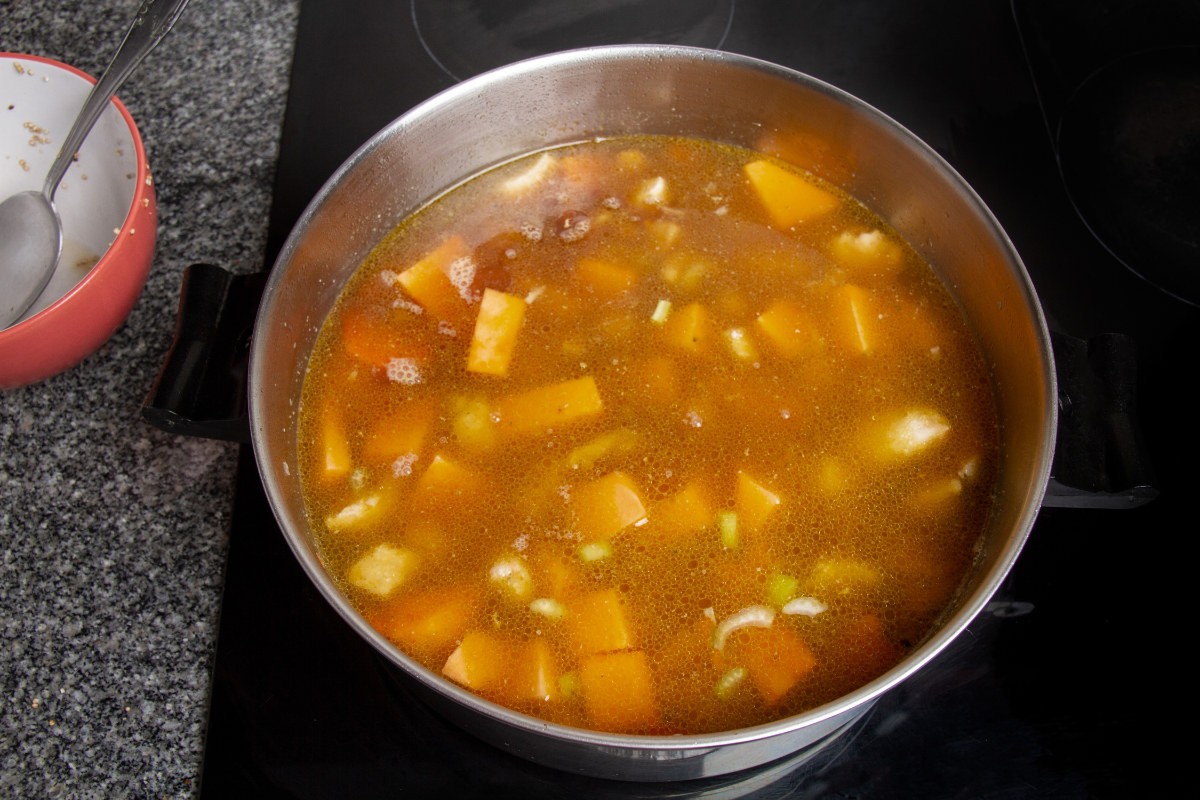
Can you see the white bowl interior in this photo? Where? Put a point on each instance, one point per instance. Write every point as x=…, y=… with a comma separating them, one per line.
x=38, y=104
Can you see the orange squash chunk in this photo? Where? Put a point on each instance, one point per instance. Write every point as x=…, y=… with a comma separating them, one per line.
x=606, y=506
x=790, y=328
x=619, y=691
x=336, y=448
x=480, y=661
x=777, y=660
x=787, y=196
x=689, y=328
x=599, y=623
x=399, y=433
x=429, y=622
x=687, y=511
x=496, y=328
x=604, y=278
x=429, y=282
x=535, y=674
x=853, y=324
x=547, y=407
x=445, y=481
x=754, y=502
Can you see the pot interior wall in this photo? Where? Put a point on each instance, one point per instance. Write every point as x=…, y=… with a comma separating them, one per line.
x=610, y=91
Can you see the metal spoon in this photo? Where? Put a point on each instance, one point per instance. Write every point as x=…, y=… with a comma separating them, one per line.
x=30, y=228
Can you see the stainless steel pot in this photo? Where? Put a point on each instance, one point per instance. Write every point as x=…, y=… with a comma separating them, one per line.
x=596, y=92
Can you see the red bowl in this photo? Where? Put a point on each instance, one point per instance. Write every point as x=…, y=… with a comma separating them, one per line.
x=107, y=204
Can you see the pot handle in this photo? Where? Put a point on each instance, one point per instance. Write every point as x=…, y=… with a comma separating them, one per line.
x=1100, y=458
x=201, y=388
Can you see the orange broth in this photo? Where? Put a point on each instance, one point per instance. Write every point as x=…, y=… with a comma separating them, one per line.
x=648, y=435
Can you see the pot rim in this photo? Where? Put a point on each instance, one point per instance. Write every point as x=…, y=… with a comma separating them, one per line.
x=945, y=632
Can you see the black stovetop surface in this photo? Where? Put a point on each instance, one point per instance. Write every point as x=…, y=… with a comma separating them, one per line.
x=1060, y=689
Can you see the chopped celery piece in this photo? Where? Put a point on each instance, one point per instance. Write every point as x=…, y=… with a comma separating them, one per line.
x=727, y=525
x=548, y=607
x=594, y=551
x=661, y=311
x=781, y=588
x=730, y=681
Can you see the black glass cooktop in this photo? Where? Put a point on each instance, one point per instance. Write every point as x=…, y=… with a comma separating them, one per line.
x=1060, y=689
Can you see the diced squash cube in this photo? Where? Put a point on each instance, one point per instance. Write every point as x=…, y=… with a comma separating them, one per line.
x=445, y=482
x=472, y=423
x=689, y=328
x=336, y=463
x=868, y=252
x=840, y=576
x=606, y=506
x=480, y=661
x=429, y=282
x=741, y=345
x=556, y=575
x=687, y=511
x=599, y=624
x=603, y=277
x=398, y=433
x=372, y=337
x=429, y=622
x=854, y=327
x=547, y=407
x=355, y=514
x=788, y=197
x=619, y=691
x=383, y=569
x=536, y=674
x=496, y=329
x=777, y=660
x=687, y=270
x=611, y=443
x=754, y=502
x=790, y=328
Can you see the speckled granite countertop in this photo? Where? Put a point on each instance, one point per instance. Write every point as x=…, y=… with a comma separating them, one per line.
x=113, y=534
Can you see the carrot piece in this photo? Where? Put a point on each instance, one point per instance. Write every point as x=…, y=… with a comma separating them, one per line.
x=790, y=328
x=496, y=328
x=754, y=502
x=427, y=623
x=619, y=691
x=776, y=658
x=536, y=673
x=606, y=506
x=336, y=448
x=431, y=281
x=851, y=317
x=599, y=623
x=480, y=661
x=539, y=410
x=788, y=197
x=400, y=433
x=371, y=337
x=604, y=278
x=689, y=328
x=687, y=511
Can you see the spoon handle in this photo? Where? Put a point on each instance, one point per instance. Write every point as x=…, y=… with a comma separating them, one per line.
x=154, y=20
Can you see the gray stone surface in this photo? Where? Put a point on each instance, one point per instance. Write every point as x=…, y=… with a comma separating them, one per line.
x=113, y=534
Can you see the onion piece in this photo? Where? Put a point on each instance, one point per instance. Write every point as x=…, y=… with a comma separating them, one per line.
x=749, y=617
x=808, y=606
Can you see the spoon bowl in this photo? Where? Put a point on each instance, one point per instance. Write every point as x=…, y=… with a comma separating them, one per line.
x=108, y=208
x=31, y=231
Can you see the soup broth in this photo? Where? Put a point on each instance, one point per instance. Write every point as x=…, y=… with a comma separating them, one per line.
x=648, y=435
